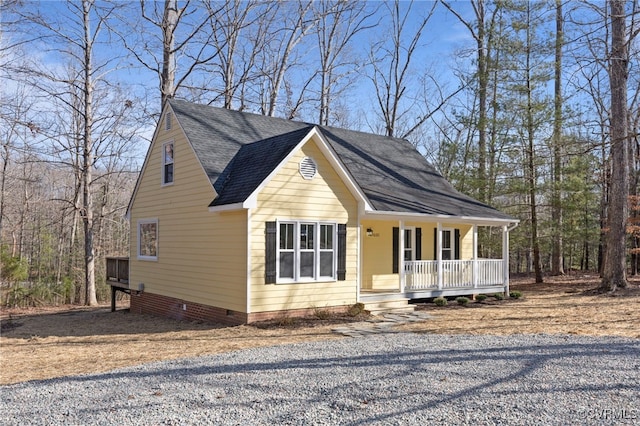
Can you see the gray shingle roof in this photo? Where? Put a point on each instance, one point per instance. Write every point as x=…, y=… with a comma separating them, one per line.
x=238, y=151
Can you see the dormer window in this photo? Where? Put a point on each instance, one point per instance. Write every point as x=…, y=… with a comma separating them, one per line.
x=167, y=163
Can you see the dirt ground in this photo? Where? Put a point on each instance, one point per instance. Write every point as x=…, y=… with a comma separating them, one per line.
x=43, y=343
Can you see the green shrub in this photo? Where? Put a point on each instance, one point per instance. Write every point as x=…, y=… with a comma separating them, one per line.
x=515, y=294
x=17, y=296
x=498, y=296
x=14, y=269
x=481, y=297
x=440, y=301
x=462, y=300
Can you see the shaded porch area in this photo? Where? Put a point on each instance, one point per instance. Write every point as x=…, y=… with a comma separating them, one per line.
x=414, y=259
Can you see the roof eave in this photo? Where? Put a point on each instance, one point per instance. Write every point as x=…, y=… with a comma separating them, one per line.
x=229, y=207
x=472, y=220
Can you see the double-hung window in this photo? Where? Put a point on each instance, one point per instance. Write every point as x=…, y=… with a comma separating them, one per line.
x=167, y=163
x=148, y=239
x=447, y=246
x=306, y=251
x=409, y=245
x=327, y=250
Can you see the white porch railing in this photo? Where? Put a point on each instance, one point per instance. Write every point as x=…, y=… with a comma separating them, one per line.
x=423, y=274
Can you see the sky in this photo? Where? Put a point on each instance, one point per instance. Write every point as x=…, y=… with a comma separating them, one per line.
x=437, y=54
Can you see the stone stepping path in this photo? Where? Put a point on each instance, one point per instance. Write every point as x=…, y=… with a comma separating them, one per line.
x=380, y=324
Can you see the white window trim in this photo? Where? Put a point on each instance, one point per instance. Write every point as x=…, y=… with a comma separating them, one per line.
x=143, y=222
x=163, y=164
x=296, y=250
x=413, y=243
x=451, y=244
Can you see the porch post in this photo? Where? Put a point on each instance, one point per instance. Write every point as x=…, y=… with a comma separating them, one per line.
x=439, y=255
x=401, y=272
x=474, y=277
x=505, y=259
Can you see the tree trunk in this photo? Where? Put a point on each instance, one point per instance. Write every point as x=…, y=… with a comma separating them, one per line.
x=483, y=83
x=531, y=166
x=557, y=267
x=3, y=180
x=614, y=274
x=169, y=23
x=87, y=200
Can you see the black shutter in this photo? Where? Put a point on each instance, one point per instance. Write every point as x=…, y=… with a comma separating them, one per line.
x=456, y=246
x=270, y=253
x=342, y=251
x=435, y=243
x=418, y=243
x=396, y=248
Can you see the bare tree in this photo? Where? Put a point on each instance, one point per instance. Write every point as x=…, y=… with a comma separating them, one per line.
x=15, y=126
x=170, y=41
x=79, y=116
x=298, y=23
x=239, y=34
x=614, y=274
x=391, y=62
x=338, y=23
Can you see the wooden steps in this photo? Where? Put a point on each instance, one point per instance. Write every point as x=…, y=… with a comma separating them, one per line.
x=380, y=304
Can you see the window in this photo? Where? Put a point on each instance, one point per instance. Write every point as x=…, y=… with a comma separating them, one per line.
x=287, y=251
x=148, y=239
x=167, y=163
x=327, y=255
x=447, y=247
x=409, y=244
x=306, y=251
x=450, y=243
x=412, y=249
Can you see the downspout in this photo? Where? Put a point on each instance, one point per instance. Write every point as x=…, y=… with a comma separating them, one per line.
x=439, y=255
x=249, y=277
x=474, y=272
x=359, y=258
x=505, y=255
x=401, y=267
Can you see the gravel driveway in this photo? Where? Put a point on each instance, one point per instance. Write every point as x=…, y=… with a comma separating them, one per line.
x=392, y=378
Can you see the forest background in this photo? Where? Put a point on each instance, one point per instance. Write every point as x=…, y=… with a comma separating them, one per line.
x=509, y=100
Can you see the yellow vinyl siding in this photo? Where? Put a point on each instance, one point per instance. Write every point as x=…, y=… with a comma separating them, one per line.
x=201, y=255
x=377, y=252
x=288, y=196
x=466, y=241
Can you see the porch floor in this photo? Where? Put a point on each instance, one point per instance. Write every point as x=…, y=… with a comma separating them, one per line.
x=373, y=295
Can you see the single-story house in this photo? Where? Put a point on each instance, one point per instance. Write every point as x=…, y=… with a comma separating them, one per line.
x=239, y=217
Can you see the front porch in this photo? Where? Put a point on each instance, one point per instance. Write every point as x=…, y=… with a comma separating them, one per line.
x=431, y=259
x=427, y=278
x=424, y=279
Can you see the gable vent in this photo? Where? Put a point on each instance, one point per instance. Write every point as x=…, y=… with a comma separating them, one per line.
x=308, y=168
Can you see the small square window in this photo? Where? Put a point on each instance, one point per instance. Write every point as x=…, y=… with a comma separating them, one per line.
x=167, y=163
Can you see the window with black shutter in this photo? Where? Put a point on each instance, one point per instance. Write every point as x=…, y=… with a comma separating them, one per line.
x=302, y=251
